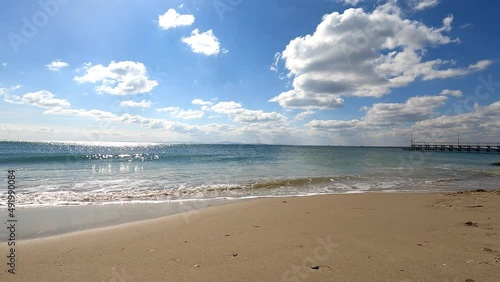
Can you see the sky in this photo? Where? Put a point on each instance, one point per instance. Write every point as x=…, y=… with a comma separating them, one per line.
x=298, y=72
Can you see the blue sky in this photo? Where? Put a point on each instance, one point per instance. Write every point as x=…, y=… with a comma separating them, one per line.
x=338, y=72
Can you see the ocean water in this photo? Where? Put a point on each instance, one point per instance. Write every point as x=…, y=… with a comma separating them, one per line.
x=79, y=173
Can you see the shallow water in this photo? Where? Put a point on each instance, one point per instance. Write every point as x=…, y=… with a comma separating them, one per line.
x=78, y=173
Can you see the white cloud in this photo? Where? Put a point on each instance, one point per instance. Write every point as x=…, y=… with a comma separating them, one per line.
x=67, y=133
x=141, y=104
x=257, y=122
x=304, y=114
x=456, y=93
x=481, y=65
x=5, y=93
x=258, y=116
x=205, y=43
x=227, y=107
x=333, y=124
x=420, y=5
x=447, y=23
x=95, y=114
x=182, y=114
x=482, y=124
x=296, y=99
x=277, y=58
x=4, y=64
x=172, y=19
x=119, y=78
x=414, y=109
x=457, y=72
x=364, y=54
x=385, y=115
x=57, y=65
x=466, y=25
x=349, y=2
x=144, y=122
x=44, y=99
x=201, y=102
x=152, y=123
x=168, y=109
x=240, y=114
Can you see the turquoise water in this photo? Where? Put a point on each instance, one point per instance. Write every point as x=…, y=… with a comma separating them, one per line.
x=57, y=173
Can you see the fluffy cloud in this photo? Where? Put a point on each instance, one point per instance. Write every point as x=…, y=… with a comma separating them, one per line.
x=57, y=65
x=457, y=72
x=44, y=99
x=364, y=54
x=118, y=78
x=481, y=65
x=304, y=114
x=227, y=107
x=205, y=43
x=456, y=93
x=333, y=124
x=482, y=124
x=141, y=104
x=205, y=105
x=386, y=115
x=415, y=109
x=253, y=116
x=182, y=114
x=201, y=102
x=172, y=19
x=297, y=99
x=240, y=114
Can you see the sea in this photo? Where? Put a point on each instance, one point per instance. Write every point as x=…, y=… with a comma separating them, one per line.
x=105, y=173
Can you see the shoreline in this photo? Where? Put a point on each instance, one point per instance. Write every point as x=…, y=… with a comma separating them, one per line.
x=50, y=221
x=343, y=237
x=45, y=222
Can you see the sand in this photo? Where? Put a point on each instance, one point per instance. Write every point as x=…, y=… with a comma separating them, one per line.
x=353, y=237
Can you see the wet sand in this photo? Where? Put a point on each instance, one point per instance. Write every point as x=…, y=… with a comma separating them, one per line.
x=353, y=237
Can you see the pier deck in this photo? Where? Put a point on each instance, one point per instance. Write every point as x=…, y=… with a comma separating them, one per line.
x=454, y=147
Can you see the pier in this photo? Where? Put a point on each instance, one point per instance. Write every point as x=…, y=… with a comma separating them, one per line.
x=454, y=147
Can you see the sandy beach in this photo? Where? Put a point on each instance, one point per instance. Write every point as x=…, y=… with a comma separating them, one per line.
x=350, y=237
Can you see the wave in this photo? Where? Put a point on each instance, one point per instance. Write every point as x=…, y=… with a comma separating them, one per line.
x=304, y=181
x=487, y=173
x=443, y=180
x=119, y=191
